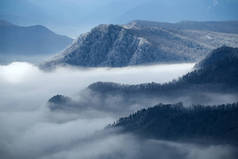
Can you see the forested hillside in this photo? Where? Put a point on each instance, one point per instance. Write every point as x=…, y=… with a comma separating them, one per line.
x=203, y=124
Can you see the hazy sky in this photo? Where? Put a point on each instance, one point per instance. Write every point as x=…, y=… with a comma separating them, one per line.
x=73, y=17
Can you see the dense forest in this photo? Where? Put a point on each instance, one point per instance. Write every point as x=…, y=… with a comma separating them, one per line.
x=198, y=123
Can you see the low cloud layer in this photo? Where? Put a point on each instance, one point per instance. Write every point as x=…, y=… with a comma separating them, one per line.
x=23, y=84
x=30, y=130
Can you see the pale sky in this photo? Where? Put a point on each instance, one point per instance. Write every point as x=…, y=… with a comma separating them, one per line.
x=72, y=17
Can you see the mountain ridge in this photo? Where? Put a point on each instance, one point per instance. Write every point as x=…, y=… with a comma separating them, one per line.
x=227, y=56
x=198, y=123
x=37, y=40
x=216, y=26
x=123, y=45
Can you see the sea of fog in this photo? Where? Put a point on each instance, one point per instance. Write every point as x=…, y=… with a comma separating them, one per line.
x=29, y=130
x=23, y=83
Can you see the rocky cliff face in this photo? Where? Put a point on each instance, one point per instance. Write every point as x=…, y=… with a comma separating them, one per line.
x=134, y=44
x=107, y=45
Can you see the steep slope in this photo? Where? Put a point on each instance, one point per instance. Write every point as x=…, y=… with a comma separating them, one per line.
x=27, y=41
x=221, y=57
x=140, y=42
x=202, y=124
x=112, y=45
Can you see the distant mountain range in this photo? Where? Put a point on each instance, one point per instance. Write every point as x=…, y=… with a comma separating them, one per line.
x=144, y=42
x=29, y=41
x=213, y=80
x=116, y=12
x=213, y=26
x=199, y=124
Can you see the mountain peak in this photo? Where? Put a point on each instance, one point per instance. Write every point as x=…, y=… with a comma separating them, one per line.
x=40, y=27
x=59, y=99
x=30, y=42
x=142, y=42
x=5, y=23
x=103, y=27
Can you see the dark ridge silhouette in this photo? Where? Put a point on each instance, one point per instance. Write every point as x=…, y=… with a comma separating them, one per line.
x=201, y=124
x=61, y=102
x=217, y=72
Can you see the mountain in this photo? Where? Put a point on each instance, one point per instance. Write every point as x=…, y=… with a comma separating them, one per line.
x=201, y=124
x=219, y=67
x=214, y=80
x=61, y=102
x=29, y=41
x=224, y=57
x=213, y=26
x=143, y=42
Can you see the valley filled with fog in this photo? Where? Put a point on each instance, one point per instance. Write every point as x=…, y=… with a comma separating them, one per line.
x=24, y=83
x=118, y=79
x=30, y=130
